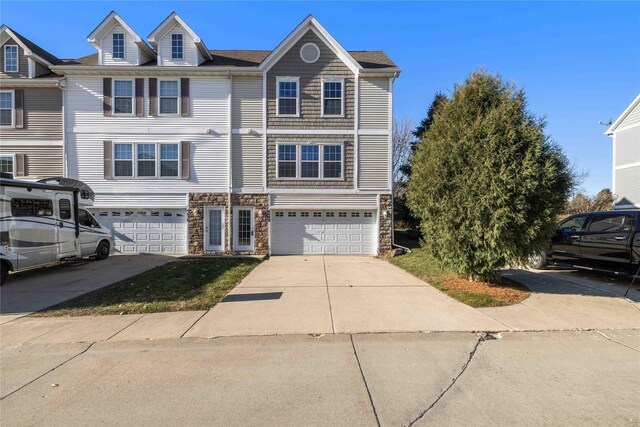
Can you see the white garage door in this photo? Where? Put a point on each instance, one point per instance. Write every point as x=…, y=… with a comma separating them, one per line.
x=153, y=231
x=323, y=232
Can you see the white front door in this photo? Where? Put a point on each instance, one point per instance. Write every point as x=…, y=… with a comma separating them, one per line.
x=243, y=229
x=214, y=229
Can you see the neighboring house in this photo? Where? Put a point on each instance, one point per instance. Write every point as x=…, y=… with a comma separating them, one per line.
x=191, y=150
x=626, y=156
x=31, y=127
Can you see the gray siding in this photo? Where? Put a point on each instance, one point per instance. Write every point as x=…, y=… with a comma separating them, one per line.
x=627, y=186
x=23, y=66
x=632, y=118
x=42, y=116
x=41, y=70
x=40, y=161
x=246, y=103
x=374, y=104
x=328, y=65
x=628, y=146
x=373, y=162
x=247, y=161
x=345, y=183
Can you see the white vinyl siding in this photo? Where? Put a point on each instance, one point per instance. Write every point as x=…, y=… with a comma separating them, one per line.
x=627, y=146
x=190, y=56
x=247, y=166
x=632, y=119
x=373, y=162
x=131, y=50
x=374, y=104
x=246, y=108
x=627, y=186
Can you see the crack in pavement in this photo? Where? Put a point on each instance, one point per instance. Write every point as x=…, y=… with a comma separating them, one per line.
x=48, y=372
x=326, y=282
x=364, y=380
x=481, y=338
x=618, y=342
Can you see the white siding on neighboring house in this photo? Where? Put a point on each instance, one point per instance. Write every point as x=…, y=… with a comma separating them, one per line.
x=246, y=110
x=632, y=119
x=627, y=187
x=373, y=162
x=247, y=168
x=374, y=104
x=131, y=50
x=190, y=55
x=627, y=146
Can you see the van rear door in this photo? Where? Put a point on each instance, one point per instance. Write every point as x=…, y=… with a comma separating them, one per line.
x=66, y=229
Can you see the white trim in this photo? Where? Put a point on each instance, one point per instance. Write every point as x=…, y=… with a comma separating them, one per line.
x=390, y=148
x=120, y=130
x=246, y=131
x=264, y=142
x=31, y=143
x=236, y=246
x=172, y=33
x=310, y=132
x=613, y=167
x=13, y=109
x=17, y=70
x=133, y=97
x=134, y=160
x=342, y=97
x=298, y=161
x=13, y=161
x=206, y=224
x=356, y=130
x=31, y=68
x=124, y=47
x=283, y=79
x=317, y=50
x=97, y=35
x=628, y=165
x=158, y=33
x=311, y=191
x=373, y=131
x=623, y=116
x=178, y=98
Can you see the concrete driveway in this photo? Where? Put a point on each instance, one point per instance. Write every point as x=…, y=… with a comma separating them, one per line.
x=34, y=290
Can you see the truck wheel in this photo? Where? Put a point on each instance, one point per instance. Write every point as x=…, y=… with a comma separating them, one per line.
x=103, y=251
x=538, y=261
x=4, y=273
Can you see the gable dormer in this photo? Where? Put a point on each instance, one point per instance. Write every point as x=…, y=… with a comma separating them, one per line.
x=118, y=44
x=176, y=44
x=21, y=58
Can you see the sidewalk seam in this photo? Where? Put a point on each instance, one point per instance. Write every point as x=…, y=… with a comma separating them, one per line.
x=617, y=342
x=139, y=318
x=364, y=380
x=194, y=323
x=326, y=282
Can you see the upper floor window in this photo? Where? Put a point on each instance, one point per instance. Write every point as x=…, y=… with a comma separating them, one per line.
x=168, y=97
x=11, y=59
x=310, y=161
x=118, y=45
x=333, y=98
x=288, y=96
x=287, y=161
x=177, y=48
x=122, y=97
x=169, y=160
x=6, y=108
x=6, y=164
x=146, y=155
x=145, y=158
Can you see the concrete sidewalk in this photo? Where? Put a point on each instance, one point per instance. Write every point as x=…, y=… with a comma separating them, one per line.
x=548, y=378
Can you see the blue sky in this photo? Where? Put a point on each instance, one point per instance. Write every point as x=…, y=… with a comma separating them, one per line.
x=578, y=61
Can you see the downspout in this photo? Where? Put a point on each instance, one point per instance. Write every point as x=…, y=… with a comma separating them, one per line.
x=393, y=221
x=230, y=156
x=62, y=85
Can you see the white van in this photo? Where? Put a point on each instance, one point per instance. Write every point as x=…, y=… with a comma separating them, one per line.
x=44, y=224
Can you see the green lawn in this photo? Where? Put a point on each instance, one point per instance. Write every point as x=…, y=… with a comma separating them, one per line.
x=476, y=294
x=194, y=284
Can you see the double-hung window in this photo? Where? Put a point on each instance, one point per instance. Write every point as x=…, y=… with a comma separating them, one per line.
x=177, y=48
x=169, y=97
x=123, y=97
x=6, y=164
x=150, y=159
x=288, y=96
x=118, y=45
x=310, y=161
x=6, y=108
x=333, y=98
x=11, y=59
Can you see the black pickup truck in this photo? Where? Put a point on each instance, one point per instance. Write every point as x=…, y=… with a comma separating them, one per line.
x=607, y=241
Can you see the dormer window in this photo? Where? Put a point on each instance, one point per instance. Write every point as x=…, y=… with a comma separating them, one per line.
x=177, y=48
x=118, y=45
x=11, y=59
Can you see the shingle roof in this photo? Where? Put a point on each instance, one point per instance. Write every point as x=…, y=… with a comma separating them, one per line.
x=36, y=49
x=368, y=59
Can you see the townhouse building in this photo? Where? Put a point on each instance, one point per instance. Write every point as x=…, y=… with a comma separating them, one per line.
x=192, y=150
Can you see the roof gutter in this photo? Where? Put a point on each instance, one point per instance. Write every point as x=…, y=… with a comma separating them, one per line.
x=142, y=70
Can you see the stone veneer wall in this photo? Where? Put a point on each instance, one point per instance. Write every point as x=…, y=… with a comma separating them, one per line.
x=260, y=203
x=386, y=204
x=195, y=218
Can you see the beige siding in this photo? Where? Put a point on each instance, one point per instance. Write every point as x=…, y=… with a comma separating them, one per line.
x=42, y=116
x=627, y=186
x=328, y=65
x=628, y=146
x=345, y=183
x=373, y=162
x=632, y=118
x=246, y=108
x=130, y=48
x=374, y=104
x=324, y=201
x=23, y=65
x=247, y=161
x=40, y=161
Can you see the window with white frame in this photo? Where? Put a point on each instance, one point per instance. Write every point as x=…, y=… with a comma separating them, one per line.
x=309, y=161
x=145, y=157
x=177, y=47
x=6, y=108
x=333, y=98
x=288, y=96
x=118, y=45
x=6, y=164
x=123, y=97
x=168, y=97
x=11, y=59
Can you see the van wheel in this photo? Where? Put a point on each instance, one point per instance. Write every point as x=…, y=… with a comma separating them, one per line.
x=4, y=273
x=538, y=261
x=103, y=251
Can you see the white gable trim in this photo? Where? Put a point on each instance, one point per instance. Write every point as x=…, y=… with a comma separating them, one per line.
x=623, y=116
x=107, y=24
x=27, y=52
x=310, y=23
x=166, y=25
